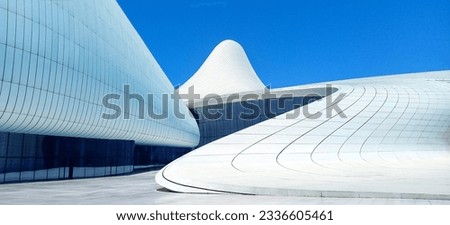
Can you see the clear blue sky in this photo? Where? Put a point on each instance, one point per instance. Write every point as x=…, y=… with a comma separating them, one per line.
x=293, y=42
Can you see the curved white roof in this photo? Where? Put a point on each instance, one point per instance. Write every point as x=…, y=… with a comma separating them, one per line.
x=393, y=143
x=227, y=70
x=62, y=91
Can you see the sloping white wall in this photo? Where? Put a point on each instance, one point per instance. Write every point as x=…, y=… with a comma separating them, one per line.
x=58, y=59
x=393, y=142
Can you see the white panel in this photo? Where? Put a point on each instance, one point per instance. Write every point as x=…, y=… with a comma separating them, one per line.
x=3, y=19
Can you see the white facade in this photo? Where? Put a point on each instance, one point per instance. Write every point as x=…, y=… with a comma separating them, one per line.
x=394, y=142
x=58, y=59
x=228, y=66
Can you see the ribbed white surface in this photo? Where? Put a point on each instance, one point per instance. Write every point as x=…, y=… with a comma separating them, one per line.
x=394, y=143
x=227, y=70
x=59, y=58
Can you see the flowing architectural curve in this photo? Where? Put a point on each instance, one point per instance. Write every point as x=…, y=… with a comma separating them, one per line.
x=58, y=59
x=391, y=140
x=227, y=65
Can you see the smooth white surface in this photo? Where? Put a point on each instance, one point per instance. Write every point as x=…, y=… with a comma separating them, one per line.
x=394, y=143
x=58, y=59
x=227, y=70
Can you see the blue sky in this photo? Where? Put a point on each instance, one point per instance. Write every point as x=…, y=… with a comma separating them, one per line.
x=293, y=42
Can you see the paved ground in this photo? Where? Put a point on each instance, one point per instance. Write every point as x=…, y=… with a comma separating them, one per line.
x=141, y=189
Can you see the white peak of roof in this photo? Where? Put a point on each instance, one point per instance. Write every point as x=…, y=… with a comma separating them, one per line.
x=227, y=70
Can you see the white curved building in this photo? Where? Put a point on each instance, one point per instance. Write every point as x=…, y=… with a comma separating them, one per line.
x=391, y=140
x=58, y=59
x=63, y=66
x=227, y=65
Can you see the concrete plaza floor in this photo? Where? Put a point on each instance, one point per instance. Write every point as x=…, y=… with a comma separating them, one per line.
x=141, y=189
